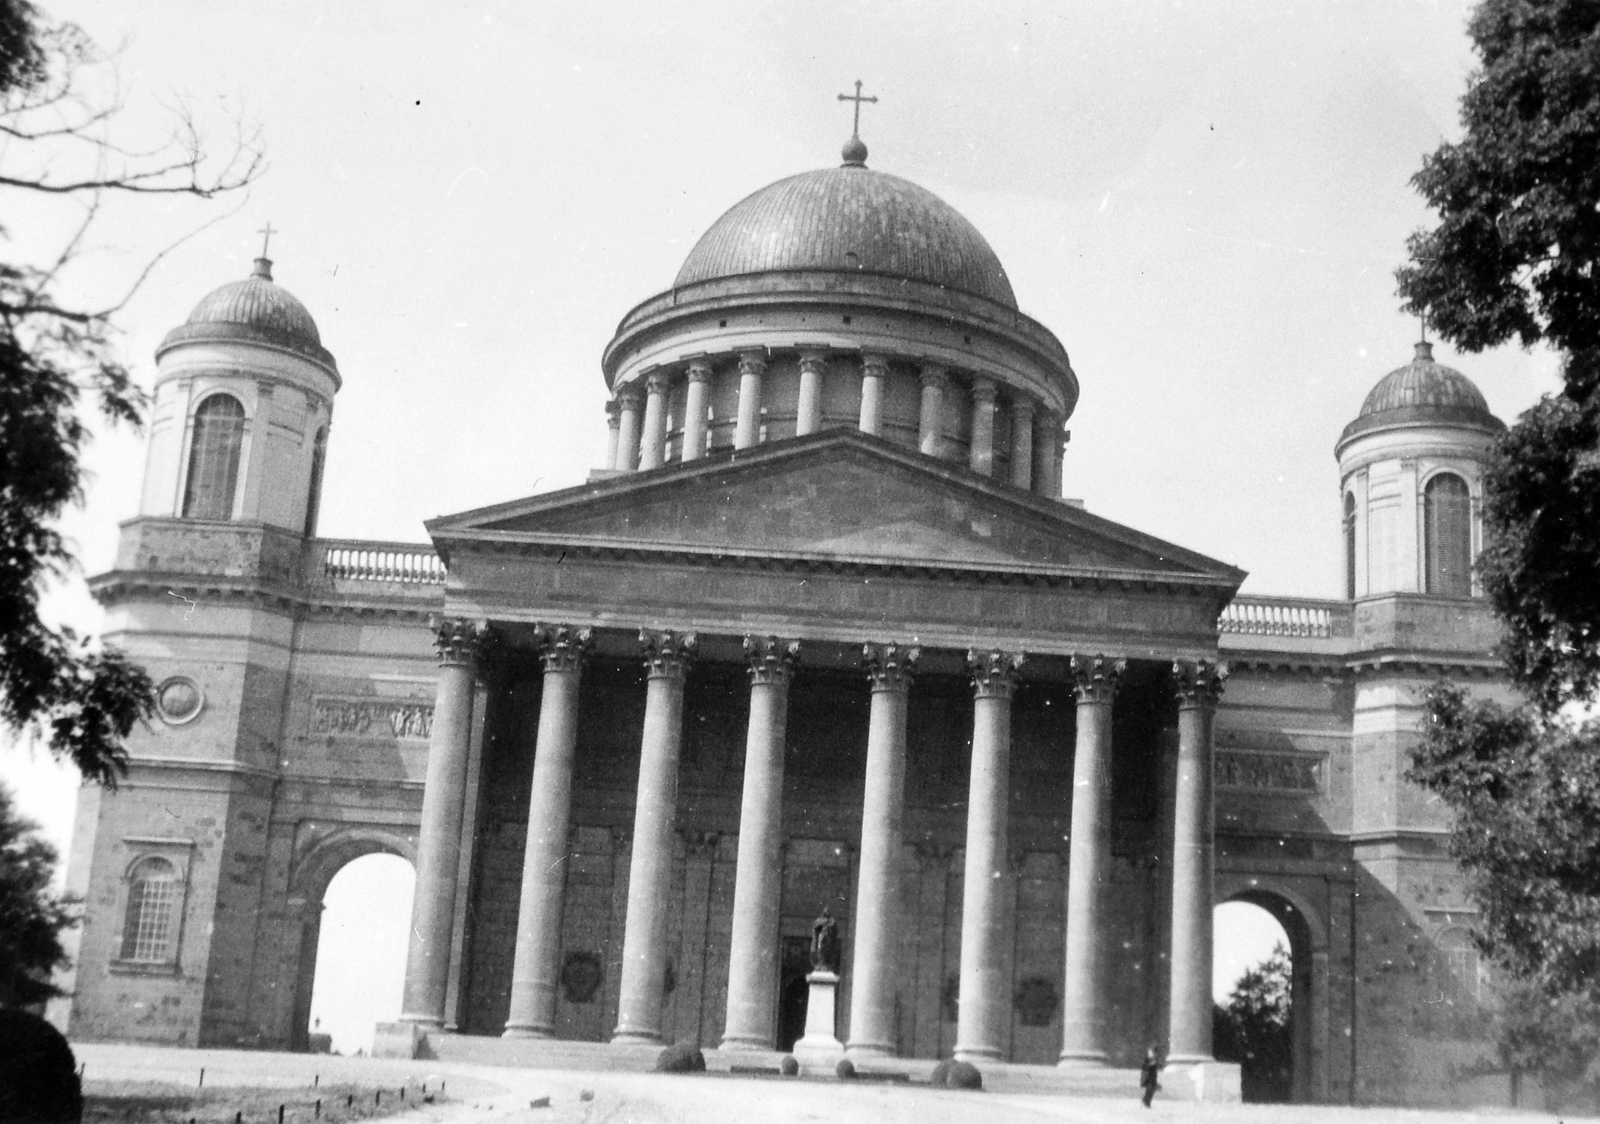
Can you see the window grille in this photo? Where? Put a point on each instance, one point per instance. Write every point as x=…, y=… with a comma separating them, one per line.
x=214, y=458
x=1447, y=523
x=152, y=908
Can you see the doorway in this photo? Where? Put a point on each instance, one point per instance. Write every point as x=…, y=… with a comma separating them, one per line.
x=360, y=952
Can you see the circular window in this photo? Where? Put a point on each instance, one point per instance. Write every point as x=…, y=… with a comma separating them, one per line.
x=178, y=700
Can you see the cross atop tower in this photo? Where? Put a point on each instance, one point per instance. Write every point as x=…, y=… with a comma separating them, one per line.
x=266, y=233
x=855, y=126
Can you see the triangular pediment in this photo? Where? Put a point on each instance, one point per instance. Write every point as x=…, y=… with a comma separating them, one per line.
x=838, y=495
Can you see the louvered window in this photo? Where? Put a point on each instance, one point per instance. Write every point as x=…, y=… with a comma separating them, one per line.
x=147, y=933
x=214, y=458
x=1447, y=521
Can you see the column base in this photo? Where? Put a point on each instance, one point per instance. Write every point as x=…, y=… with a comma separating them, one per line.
x=425, y=1022
x=870, y=1050
x=745, y=1044
x=527, y=1032
x=1188, y=1059
x=636, y=1038
x=976, y=1054
x=1083, y=1059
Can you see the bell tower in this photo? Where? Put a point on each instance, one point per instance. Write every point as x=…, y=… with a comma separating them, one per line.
x=243, y=401
x=1411, y=471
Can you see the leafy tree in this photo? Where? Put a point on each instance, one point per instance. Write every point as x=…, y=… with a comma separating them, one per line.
x=57, y=120
x=31, y=916
x=1253, y=1029
x=1514, y=257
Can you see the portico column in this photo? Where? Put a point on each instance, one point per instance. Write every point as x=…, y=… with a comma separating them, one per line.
x=1046, y=442
x=1083, y=1019
x=655, y=420
x=758, y=879
x=813, y=365
x=985, y=1000
x=878, y=920
x=930, y=423
x=544, y=862
x=980, y=456
x=1021, y=441
x=1193, y=862
x=694, y=410
x=460, y=645
x=612, y=423
x=752, y=365
x=874, y=369
x=644, y=953
x=628, y=429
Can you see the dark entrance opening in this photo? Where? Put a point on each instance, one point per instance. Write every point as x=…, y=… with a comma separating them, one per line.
x=792, y=1013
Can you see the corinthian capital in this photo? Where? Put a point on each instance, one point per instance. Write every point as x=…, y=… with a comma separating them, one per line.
x=994, y=673
x=1095, y=678
x=771, y=660
x=667, y=654
x=460, y=641
x=874, y=366
x=752, y=362
x=562, y=647
x=813, y=362
x=890, y=667
x=1199, y=682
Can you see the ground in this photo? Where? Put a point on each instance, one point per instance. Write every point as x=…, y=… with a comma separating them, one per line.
x=504, y=1096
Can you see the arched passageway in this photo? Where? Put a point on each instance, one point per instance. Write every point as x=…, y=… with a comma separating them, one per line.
x=1249, y=927
x=353, y=948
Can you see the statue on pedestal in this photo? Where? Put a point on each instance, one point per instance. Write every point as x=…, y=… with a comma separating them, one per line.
x=825, y=951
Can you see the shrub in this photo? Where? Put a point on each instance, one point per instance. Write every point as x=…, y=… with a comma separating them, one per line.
x=964, y=1075
x=38, y=1074
x=789, y=1067
x=846, y=1069
x=681, y=1058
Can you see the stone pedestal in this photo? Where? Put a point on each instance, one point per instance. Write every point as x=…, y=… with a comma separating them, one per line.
x=820, y=1046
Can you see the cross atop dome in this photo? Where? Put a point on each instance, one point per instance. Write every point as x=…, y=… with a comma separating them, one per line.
x=855, y=152
x=263, y=267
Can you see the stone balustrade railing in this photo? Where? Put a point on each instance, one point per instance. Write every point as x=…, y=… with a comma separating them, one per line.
x=1300, y=617
x=395, y=563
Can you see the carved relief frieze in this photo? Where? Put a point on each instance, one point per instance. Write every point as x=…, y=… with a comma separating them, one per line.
x=1281, y=772
x=371, y=717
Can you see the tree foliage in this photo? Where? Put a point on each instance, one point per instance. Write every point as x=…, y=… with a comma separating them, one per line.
x=1253, y=1029
x=57, y=125
x=32, y=917
x=1516, y=256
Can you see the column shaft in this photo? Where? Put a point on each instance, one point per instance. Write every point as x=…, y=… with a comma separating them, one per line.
x=1021, y=442
x=654, y=450
x=813, y=365
x=980, y=450
x=544, y=863
x=613, y=423
x=1083, y=1022
x=877, y=916
x=1193, y=864
x=694, y=410
x=985, y=1000
x=644, y=954
x=628, y=429
x=439, y=836
x=1046, y=440
x=930, y=423
x=874, y=370
x=758, y=879
x=748, y=431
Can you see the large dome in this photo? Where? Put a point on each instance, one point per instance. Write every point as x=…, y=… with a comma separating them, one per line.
x=257, y=310
x=1423, y=392
x=849, y=219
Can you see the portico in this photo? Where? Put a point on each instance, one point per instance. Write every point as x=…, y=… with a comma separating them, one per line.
x=754, y=704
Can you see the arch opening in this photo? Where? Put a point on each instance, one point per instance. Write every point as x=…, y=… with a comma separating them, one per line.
x=1447, y=535
x=355, y=948
x=1261, y=991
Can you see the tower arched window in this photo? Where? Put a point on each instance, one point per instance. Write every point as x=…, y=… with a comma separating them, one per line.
x=1349, y=546
x=151, y=922
x=319, y=451
x=1447, y=530
x=214, y=458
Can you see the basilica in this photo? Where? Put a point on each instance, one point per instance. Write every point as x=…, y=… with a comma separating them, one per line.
x=820, y=636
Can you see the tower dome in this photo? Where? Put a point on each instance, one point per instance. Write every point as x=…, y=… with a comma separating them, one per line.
x=255, y=310
x=850, y=219
x=1423, y=392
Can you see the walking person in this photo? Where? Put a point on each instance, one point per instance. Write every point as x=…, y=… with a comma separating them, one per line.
x=1149, y=1075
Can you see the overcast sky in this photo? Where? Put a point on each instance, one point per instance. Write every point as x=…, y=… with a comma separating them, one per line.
x=1204, y=201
